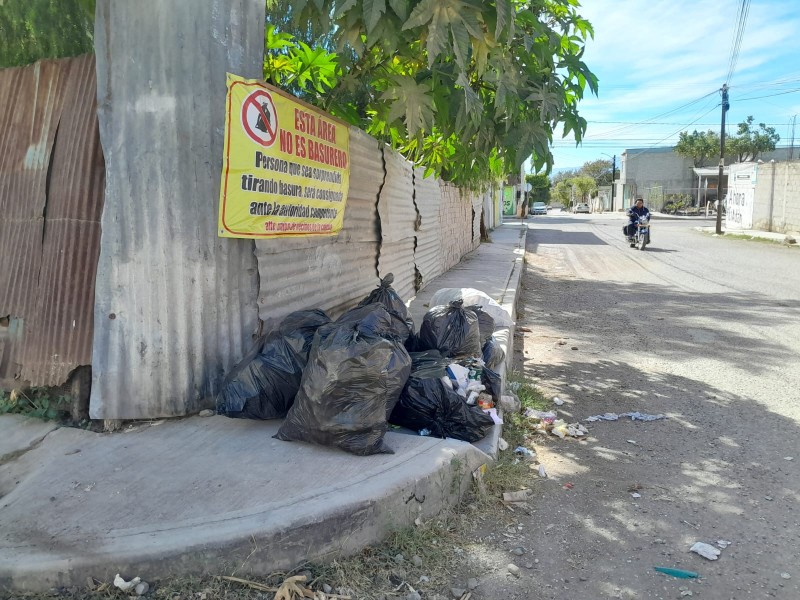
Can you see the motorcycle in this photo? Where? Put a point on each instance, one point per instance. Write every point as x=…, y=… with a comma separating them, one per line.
x=641, y=236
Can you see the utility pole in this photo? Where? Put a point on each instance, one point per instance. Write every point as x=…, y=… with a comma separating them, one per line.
x=613, y=177
x=725, y=106
x=791, y=148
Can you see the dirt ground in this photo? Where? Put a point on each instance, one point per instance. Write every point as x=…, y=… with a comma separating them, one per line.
x=608, y=329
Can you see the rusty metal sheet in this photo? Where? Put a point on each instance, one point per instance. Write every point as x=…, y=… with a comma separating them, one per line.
x=31, y=98
x=332, y=273
x=399, y=221
x=175, y=306
x=427, y=253
x=59, y=338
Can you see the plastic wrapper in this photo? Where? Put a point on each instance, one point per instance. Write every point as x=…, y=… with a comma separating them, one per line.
x=493, y=383
x=386, y=295
x=265, y=382
x=493, y=354
x=485, y=322
x=428, y=404
x=352, y=381
x=471, y=296
x=452, y=330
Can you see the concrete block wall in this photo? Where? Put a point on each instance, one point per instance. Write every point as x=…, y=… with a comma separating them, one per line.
x=777, y=197
x=456, y=225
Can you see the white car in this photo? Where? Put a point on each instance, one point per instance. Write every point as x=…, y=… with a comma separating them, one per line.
x=581, y=208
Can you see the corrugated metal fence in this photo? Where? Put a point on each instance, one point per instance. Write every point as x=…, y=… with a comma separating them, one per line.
x=51, y=197
x=175, y=307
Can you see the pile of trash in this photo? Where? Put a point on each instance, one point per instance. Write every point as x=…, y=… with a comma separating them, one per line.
x=341, y=383
x=548, y=423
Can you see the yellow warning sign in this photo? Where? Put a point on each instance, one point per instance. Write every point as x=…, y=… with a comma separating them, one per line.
x=285, y=167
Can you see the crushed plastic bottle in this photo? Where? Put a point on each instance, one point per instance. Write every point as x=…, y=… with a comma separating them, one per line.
x=425, y=432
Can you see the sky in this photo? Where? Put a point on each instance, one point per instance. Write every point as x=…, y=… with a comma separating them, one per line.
x=661, y=64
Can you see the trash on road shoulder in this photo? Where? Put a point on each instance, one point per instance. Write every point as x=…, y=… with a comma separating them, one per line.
x=679, y=573
x=706, y=550
x=634, y=416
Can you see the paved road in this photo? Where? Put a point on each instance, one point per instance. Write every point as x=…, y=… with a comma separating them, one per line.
x=705, y=330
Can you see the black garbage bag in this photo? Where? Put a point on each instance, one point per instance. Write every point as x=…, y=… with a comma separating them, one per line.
x=386, y=295
x=493, y=353
x=485, y=322
x=352, y=381
x=370, y=318
x=493, y=383
x=428, y=403
x=452, y=330
x=265, y=382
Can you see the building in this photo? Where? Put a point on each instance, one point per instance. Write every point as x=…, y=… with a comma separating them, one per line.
x=659, y=175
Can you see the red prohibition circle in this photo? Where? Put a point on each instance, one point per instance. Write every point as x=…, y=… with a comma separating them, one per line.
x=269, y=118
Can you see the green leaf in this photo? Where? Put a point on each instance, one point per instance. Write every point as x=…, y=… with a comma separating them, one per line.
x=411, y=100
x=373, y=9
x=400, y=8
x=342, y=8
x=422, y=13
x=505, y=11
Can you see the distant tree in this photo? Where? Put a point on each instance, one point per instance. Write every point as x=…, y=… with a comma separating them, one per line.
x=34, y=29
x=540, y=188
x=749, y=144
x=563, y=176
x=584, y=187
x=698, y=146
x=599, y=170
x=562, y=192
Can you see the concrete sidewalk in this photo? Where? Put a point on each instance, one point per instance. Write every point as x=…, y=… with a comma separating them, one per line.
x=782, y=238
x=206, y=495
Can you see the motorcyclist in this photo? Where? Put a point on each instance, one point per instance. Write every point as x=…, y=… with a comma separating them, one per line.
x=634, y=213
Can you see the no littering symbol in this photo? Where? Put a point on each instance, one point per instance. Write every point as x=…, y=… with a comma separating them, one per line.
x=259, y=118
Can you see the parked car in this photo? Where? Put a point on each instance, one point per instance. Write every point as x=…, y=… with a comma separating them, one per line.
x=539, y=208
x=581, y=208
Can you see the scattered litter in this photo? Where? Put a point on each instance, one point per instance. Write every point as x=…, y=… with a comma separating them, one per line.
x=604, y=417
x=510, y=404
x=523, y=451
x=785, y=576
x=513, y=570
x=569, y=486
x=685, y=593
x=558, y=401
x=723, y=544
x=142, y=588
x=424, y=432
x=770, y=498
x=502, y=444
x=547, y=416
x=632, y=442
x=204, y=413
x=679, y=573
x=542, y=471
x=514, y=386
x=126, y=586
x=636, y=495
x=634, y=416
x=548, y=424
x=788, y=458
x=520, y=496
x=705, y=550
x=492, y=412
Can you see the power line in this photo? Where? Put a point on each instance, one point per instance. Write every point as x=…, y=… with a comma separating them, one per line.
x=741, y=23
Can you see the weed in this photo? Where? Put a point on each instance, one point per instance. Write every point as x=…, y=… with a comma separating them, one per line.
x=35, y=402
